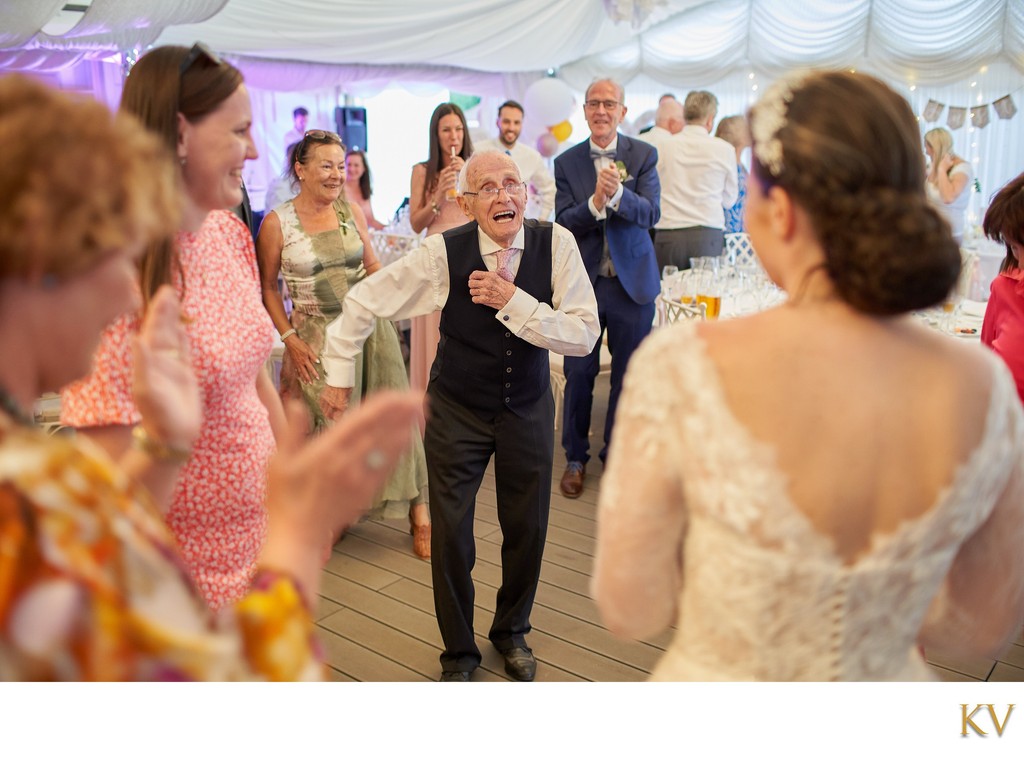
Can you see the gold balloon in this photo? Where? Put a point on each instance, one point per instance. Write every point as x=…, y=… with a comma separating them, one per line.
x=561, y=131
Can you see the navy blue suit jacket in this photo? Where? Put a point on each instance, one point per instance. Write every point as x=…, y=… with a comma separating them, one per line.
x=629, y=240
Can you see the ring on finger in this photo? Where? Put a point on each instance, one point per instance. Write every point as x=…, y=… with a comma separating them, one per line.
x=375, y=459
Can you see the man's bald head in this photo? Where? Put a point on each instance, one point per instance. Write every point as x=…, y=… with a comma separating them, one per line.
x=669, y=116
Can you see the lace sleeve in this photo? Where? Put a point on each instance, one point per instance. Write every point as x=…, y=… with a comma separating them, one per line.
x=641, y=514
x=980, y=607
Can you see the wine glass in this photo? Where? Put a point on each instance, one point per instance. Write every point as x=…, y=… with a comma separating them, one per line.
x=669, y=280
x=951, y=311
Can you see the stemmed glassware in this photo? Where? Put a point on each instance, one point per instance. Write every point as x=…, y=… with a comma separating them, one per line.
x=951, y=310
x=706, y=270
x=670, y=281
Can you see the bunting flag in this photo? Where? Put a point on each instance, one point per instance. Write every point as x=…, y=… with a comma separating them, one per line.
x=932, y=111
x=1005, y=107
x=980, y=116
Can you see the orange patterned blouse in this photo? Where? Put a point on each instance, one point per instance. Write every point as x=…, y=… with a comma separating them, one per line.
x=92, y=586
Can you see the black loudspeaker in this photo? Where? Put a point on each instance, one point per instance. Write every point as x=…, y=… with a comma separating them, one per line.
x=351, y=126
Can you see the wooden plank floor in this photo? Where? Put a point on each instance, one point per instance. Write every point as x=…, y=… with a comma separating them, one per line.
x=376, y=612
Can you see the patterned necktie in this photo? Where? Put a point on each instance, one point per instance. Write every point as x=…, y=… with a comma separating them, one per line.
x=504, y=256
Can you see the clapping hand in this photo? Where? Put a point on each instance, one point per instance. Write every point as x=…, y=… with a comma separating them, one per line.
x=608, y=181
x=165, y=389
x=317, y=487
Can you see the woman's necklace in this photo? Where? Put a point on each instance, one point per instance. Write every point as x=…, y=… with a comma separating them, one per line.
x=13, y=409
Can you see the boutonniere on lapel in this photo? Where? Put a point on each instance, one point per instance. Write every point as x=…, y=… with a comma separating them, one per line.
x=623, y=174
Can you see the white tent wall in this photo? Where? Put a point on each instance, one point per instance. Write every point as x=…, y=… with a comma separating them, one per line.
x=322, y=53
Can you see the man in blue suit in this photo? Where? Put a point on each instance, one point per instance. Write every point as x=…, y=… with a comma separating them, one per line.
x=608, y=196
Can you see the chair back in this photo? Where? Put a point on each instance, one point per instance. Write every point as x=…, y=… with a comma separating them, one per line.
x=675, y=311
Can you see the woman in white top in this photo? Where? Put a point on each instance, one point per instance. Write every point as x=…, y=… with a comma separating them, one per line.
x=866, y=494
x=949, y=179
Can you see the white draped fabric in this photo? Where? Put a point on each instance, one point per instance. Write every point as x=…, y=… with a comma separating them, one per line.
x=367, y=80
x=109, y=25
x=930, y=41
x=958, y=52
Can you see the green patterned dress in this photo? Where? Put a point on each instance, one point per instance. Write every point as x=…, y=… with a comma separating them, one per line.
x=319, y=269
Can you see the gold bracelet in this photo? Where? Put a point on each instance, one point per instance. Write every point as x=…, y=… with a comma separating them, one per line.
x=142, y=441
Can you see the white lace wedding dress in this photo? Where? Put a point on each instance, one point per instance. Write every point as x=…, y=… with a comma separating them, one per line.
x=696, y=522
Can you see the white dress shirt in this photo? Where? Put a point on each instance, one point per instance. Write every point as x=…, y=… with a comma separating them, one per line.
x=655, y=136
x=419, y=284
x=698, y=179
x=533, y=169
x=292, y=136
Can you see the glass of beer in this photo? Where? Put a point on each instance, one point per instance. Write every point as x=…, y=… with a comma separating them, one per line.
x=951, y=311
x=709, y=285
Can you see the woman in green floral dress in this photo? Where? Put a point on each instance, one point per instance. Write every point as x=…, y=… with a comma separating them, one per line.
x=320, y=244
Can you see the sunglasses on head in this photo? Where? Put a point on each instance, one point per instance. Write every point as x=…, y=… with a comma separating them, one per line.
x=321, y=134
x=199, y=50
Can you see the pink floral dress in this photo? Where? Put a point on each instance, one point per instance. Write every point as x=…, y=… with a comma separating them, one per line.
x=217, y=512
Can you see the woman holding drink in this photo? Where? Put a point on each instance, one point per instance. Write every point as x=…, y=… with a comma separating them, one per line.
x=432, y=207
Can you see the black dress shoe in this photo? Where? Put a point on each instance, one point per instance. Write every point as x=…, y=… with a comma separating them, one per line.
x=455, y=677
x=520, y=664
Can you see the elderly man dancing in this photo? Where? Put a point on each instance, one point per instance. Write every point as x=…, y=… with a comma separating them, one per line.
x=509, y=291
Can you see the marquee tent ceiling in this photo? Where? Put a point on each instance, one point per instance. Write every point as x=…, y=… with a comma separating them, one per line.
x=931, y=41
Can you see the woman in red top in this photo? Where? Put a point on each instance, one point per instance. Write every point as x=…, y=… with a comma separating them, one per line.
x=1003, y=329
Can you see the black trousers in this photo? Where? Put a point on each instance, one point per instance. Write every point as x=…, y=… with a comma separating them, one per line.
x=459, y=444
x=678, y=246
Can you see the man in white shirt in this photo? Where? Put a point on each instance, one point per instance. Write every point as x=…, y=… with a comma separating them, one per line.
x=508, y=291
x=300, y=117
x=667, y=97
x=698, y=181
x=532, y=166
x=668, y=121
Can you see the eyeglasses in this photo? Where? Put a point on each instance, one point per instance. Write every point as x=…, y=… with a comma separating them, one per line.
x=199, y=50
x=490, y=193
x=609, y=105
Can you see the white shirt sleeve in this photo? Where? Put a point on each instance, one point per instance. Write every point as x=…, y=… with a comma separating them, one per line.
x=412, y=286
x=568, y=326
x=730, y=192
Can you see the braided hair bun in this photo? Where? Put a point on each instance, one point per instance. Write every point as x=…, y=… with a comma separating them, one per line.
x=844, y=146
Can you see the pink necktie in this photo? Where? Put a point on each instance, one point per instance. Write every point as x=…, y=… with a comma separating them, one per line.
x=504, y=256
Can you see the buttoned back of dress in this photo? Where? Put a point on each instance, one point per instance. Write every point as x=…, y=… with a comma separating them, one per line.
x=764, y=595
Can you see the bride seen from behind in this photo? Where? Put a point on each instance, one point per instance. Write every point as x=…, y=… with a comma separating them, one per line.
x=836, y=483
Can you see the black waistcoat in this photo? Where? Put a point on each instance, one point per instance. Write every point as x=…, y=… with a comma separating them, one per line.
x=479, y=361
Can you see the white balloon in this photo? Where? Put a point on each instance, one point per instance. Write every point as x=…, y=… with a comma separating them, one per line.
x=548, y=101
